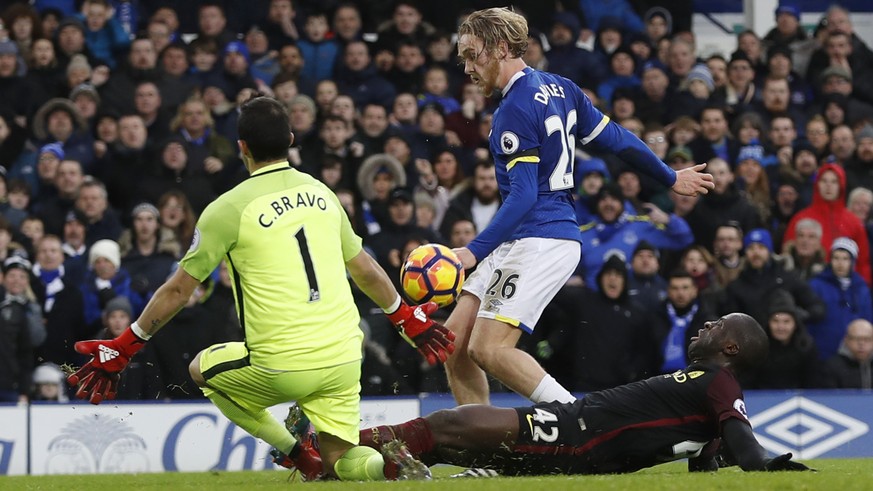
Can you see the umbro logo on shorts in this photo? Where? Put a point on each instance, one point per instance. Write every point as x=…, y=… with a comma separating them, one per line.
x=107, y=354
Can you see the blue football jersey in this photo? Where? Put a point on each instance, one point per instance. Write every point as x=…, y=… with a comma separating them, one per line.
x=534, y=134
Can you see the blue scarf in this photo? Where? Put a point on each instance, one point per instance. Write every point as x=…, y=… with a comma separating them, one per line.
x=674, y=344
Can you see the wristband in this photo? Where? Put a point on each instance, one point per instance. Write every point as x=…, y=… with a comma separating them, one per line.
x=390, y=310
x=139, y=332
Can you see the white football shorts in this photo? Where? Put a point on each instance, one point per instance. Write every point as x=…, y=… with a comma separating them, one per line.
x=518, y=279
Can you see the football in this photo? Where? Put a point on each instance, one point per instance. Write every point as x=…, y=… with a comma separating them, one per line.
x=432, y=272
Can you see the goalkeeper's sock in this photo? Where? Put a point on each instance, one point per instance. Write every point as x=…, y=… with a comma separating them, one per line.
x=416, y=434
x=549, y=390
x=360, y=464
x=259, y=424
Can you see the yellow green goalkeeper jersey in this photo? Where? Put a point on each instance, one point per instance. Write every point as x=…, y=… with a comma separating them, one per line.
x=286, y=239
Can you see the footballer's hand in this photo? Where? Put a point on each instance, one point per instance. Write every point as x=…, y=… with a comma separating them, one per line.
x=693, y=181
x=99, y=377
x=784, y=463
x=465, y=256
x=432, y=339
x=94, y=384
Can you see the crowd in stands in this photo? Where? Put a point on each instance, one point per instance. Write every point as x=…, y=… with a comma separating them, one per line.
x=118, y=127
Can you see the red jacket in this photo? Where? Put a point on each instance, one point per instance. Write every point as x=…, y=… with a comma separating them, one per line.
x=836, y=221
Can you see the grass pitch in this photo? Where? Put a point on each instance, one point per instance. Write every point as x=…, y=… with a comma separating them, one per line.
x=833, y=474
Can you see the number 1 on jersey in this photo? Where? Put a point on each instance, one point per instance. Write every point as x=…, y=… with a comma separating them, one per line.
x=314, y=294
x=562, y=175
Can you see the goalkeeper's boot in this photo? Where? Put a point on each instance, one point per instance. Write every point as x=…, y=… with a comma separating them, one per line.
x=476, y=472
x=305, y=457
x=401, y=465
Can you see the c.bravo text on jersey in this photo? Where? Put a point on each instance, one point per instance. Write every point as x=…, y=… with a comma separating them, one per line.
x=285, y=204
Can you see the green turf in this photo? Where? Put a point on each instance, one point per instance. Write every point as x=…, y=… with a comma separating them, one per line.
x=833, y=474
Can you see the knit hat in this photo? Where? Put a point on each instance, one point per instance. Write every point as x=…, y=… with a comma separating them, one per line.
x=753, y=151
x=592, y=165
x=8, y=47
x=787, y=8
x=76, y=215
x=847, y=245
x=781, y=302
x=701, y=72
x=85, y=89
x=118, y=303
x=835, y=71
x=48, y=373
x=107, y=249
x=865, y=132
x=758, y=236
x=16, y=261
x=145, y=208
x=645, y=245
x=56, y=149
x=238, y=47
x=78, y=61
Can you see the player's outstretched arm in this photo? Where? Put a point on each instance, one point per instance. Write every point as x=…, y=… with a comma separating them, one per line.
x=693, y=181
x=749, y=454
x=98, y=379
x=430, y=338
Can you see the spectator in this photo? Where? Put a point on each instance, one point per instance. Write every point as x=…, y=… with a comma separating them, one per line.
x=177, y=215
x=748, y=127
x=407, y=74
x=852, y=367
x=740, y=91
x=436, y=90
x=789, y=33
x=70, y=41
x=793, y=359
x=859, y=168
x=715, y=139
x=615, y=230
x=176, y=84
x=347, y=23
x=591, y=174
x=658, y=23
x=105, y=280
x=53, y=209
x=700, y=264
x=582, y=67
x=373, y=130
x=728, y=245
x=20, y=318
x=148, y=251
x=159, y=33
x=103, y=221
x=779, y=65
x=104, y=34
x=142, y=377
x=818, y=136
x=753, y=179
x=61, y=303
x=140, y=65
x=280, y=25
x=761, y=277
x=148, y=101
x=207, y=151
x=805, y=255
x=317, y=49
x=860, y=203
x=357, y=76
x=129, y=160
x=622, y=73
x=175, y=173
x=12, y=80
x=58, y=120
x=406, y=25
x=828, y=208
x=680, y=317
x=645, y=286
x=49, y=384
x=718, y=68
x=43, y=75
x=723, y=204
x=212, y=24
x=845, y=294
x=478, y=203
x=74, y=246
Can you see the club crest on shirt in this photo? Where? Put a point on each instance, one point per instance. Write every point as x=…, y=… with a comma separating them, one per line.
x=508, y=142
x=740, y=406
x=195, y=241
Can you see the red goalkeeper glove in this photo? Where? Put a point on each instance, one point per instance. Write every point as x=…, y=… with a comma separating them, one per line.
x=98, y=379
x=430, y=338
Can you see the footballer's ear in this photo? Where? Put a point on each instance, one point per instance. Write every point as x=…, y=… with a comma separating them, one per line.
x=731, y=348
x=502, y=50
x=291, y=142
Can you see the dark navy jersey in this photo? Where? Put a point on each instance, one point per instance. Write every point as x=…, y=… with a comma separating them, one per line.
x=533, y=139
x=630, y=427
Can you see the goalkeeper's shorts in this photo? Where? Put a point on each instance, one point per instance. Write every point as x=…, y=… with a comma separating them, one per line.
x=330, y=396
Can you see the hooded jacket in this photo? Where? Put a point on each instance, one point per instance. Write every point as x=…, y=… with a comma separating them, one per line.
x=842, y=306
x=836, y=221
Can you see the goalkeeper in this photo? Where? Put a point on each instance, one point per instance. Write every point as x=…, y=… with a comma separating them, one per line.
x=288, y=243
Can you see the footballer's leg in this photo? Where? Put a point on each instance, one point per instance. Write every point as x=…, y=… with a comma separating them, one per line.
x=217, y=370
x=467, y=380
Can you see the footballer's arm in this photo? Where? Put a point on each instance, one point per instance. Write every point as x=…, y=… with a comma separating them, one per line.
x=372, y=280
x=167, y=301
x=749, y=454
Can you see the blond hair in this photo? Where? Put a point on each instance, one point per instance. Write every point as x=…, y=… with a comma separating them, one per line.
x=495, y=25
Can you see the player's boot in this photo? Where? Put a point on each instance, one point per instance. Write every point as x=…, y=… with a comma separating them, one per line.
x=305, y=457
x=476, y=472
x=401, y=465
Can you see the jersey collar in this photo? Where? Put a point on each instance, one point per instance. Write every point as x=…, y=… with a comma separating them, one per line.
x=271, y=167
x=521, y=73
